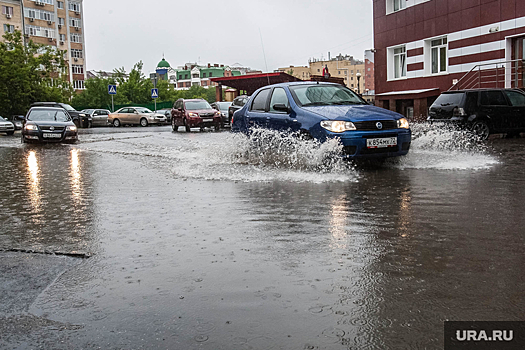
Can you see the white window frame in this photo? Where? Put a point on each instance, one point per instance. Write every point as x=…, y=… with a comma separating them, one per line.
x=62, y=37
x=75, y=38
x=7, y=10
x=74, y=6
x=77, y=69
x=395, y=56
x=9, y=28
x=78, y=84
x=434, y=49
x=77, y=53
x=74, y=22
x=60, y=4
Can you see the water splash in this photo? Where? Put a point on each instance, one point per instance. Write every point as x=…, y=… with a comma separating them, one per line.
x=446, y=148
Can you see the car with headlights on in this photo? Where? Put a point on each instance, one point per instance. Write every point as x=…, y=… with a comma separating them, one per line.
x=222, y=107
x=49, y=124
x=135, y=116
x=99, y=117
x=80, y=119
x=6, y=126
x=194, y=113
x=325, y=111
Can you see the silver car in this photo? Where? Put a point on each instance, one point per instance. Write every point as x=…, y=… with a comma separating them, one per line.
x=6, y=126
x=135, y=115
x=99, y=117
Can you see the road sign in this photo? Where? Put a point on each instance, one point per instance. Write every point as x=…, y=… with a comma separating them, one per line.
x=112, y=89
x=154, y=93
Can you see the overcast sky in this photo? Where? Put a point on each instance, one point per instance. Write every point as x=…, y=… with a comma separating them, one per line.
x=119, y=33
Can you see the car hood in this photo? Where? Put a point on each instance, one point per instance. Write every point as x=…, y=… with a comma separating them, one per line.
x=5, y=123
x=353, y=113
x=49, y=123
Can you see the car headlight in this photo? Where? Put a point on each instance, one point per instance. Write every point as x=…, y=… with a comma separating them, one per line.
x=218, y=114
x=31, y=127
x=337, y=125
x=402, y=123
x=71, y=128
x=193, y=115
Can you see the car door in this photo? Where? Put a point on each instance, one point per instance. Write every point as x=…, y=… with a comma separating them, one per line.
x=256, y=115
x=281, y=116
x=494, y=106
x=517, y=102
x=98, y=118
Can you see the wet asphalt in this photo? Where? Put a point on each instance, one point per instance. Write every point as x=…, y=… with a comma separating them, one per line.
x=141, y=238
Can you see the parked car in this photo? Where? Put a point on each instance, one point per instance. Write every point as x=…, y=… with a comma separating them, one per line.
x=80, y=119
x=222, y=107
x=49, y=124
x=484, y=111
x=167, y=113
x=238, y=103
x=323, y=111
x=194, y=113
x=18, y=121
x=99, y=117
x=6, y=126
x=135, y=116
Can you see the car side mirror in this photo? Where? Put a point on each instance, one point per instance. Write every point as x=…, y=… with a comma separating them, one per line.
x=280, y=107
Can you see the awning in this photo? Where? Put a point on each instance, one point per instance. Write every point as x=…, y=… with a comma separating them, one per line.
x=408, y=94
x=251, y=82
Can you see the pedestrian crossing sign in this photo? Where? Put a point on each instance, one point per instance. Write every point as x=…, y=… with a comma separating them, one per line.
x=154, y=93
x=112, y=89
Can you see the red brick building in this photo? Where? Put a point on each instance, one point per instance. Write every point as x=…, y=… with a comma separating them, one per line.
x=424, y=47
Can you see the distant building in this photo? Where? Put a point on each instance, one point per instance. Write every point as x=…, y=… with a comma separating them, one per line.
x=193, y=74
x=54, y=23
x=345, y=67
x=425, y=47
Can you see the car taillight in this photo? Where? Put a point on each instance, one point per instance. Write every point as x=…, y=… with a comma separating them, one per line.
x=458, y=112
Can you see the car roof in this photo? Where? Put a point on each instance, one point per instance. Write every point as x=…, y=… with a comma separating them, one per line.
x=294, y=83
x=481, y=89
x=192, y=99
x=48, y=108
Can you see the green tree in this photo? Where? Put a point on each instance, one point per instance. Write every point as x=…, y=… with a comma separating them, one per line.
x=29, y=73
x=95, y=94
x=136, y=88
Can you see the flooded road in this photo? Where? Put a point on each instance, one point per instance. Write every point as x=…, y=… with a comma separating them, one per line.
x=210, y=241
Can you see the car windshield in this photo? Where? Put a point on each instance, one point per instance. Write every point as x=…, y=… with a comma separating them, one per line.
x=67, y=107
x=195, y=105
x=89, y=111
x=143, y=110
x=2, y=119
x=223, y=106
x=324, y=95
x=453, y=99
x=48, y=115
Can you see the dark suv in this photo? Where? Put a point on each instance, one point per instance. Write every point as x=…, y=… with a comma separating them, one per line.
x=237, y=104
x=194, y=113
x=81, y=120
x=484, y=111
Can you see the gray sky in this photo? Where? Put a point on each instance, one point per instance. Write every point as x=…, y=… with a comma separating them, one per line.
x=119, y=33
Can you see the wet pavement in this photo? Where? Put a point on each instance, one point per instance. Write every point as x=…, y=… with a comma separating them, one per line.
x=210, y=241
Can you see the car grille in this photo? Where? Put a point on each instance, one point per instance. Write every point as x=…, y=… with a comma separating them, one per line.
x=5, y=127
x=207, y=114
x=370, y=125
x=48, y=128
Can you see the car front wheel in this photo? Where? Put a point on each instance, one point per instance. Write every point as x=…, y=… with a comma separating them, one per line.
x=481, y=129
x=188, y=129
x=173, y=126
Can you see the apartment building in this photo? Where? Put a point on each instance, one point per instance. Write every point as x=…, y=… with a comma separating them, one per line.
x=51, y=22
x=193, y=74
x=425, y=47
x=345, y=67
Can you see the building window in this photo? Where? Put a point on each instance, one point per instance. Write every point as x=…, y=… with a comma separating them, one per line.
x=185, y=76
x=77, y=69
x=210, y=75
x=74, y=22
x=9, y=28
x=7, y=10
x=60, y=4
x=195, y=75
x=62, y=37
x=438, y=55
x=39, y=31
x=73, y=6
x=78, y=84
x=75, y=38
x=49, y=2
x=61, y=21
x=400, y=62
x=75, y=53
x=399, y=5
x=204, y=75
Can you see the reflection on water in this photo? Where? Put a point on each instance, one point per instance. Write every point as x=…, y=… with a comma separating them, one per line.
x=75, y=175
x=338, y=214
x=34, y=188
x=404, y=216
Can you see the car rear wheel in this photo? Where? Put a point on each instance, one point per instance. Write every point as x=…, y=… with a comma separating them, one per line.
x=116, y=123
x=481, y=129
x=144, y=122
x=173, y=126
x=186, y=126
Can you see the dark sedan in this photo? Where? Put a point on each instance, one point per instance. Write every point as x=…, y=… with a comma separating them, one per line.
x=49, y=124
x=326, y=111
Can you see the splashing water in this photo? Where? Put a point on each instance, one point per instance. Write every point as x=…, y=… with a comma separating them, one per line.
x=443, y=147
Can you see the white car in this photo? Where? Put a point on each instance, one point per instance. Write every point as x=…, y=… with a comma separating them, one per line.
x=6, y=126
x=135, y=115
x=99, y=117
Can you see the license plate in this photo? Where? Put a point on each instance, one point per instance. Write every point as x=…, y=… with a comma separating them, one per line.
x=207, y=119
x=52, y=136
x=381, y=142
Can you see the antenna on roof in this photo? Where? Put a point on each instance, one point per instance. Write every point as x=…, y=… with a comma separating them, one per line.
x=264, y=55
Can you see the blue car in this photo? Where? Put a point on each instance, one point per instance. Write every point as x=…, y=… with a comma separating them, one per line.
x=326, y=110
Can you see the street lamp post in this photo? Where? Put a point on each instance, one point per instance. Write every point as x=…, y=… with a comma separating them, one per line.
x=358, y=75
